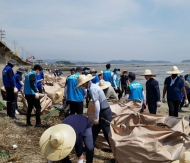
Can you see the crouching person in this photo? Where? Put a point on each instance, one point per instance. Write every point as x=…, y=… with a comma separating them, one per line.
x=32, y=96
x=58, y=141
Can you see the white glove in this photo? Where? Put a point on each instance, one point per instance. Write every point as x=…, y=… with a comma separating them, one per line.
x=116, y=88
x=80, y=161
x=15, y=90
x=163, y=100
x=37, y=96
x=186, y=102
x=96, y=121
x=158, y=103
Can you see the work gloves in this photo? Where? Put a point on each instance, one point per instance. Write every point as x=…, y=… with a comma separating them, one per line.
x=158, y=103
x=37, y=96
x=186, y=102
x=96, y=121
x=15, y=90
x=163, y=100
x=80, y=161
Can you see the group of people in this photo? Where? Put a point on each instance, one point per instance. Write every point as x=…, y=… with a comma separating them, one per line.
x=31, y=87
x=98, y=87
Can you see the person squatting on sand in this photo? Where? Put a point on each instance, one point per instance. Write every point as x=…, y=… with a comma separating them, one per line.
x=152, y=92
x=108, y=90
x=102, y=108
x=173, y=85
x=11, y=90
x=56, y=139
x=135, y=91
x=32, y=96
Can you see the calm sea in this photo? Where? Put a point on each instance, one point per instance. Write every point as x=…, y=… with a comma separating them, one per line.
x=158, y=69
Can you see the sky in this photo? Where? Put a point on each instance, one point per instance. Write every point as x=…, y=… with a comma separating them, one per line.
x=98, y=30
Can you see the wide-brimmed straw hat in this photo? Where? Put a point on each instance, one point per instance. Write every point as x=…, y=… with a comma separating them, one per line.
x=185, y=158
x=103, y=84
x=148, y=72
x=174, y=70
x=93, y=71
x=83, y=79
x=57, y=142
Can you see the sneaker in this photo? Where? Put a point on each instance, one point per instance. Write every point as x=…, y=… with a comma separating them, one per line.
x=28, y=124
x=16, y=111
x=40, y=125
x=14, y=118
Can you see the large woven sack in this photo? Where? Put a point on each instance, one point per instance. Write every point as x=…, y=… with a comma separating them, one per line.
x=116, y=109
x=58, y=97
x=49, y=79
x=46, y=104
x=50, y=90
x=60, y=80
x=139, y=142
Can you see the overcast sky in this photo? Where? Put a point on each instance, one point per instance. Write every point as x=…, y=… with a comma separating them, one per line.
x=98, y=30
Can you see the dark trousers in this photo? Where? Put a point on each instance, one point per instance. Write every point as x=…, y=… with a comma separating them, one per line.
x=89, y=147
x=124, y=89
x=40, y=90
x=11, y=101
x=119, y=92
x=152, y=107
x=105, y=126
x=32, y=102
x=173, y=107
x=76, y=107
x=16, y=99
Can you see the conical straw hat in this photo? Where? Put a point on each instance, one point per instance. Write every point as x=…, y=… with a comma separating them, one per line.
x=174, y=70
x=148, y=72
x=184, y=159
x=103, y=84
x=83, y=79
x=57, y=142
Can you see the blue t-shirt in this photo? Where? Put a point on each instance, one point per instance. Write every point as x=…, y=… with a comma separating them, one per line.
x=174, y=91
x=76, y=95
x=95, y=80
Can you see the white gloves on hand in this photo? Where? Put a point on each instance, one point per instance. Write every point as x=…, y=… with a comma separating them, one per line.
x=116, y=88
x=80, y=161
x=158, y=103
x=96, y=121
x=163, y=100
x=37, y=96
x=186, y=102
x=15, y=90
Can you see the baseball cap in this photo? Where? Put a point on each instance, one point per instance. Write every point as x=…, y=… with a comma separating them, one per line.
x=132, y=75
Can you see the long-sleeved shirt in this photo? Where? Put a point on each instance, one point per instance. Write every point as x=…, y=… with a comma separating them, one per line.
x=152, y=91
x=110, y=93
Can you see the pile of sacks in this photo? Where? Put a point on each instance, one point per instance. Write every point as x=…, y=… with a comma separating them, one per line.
x=145, y=138
x=53, y=94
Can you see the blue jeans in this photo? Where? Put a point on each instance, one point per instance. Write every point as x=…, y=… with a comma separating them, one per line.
x=152, y=107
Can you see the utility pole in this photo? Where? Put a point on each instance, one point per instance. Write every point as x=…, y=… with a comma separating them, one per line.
x=22, y=53
x=15, y=42
x=2, y=34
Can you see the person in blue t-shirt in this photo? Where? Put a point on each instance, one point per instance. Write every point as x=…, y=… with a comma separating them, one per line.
x=135, y=91
x=32, y=96
x=107, y=74
x=96, y=78
x=115, y=82
x=8, y=82
x=75, y=97
x=174, y=85
x=18, y=83
x=40, y=78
